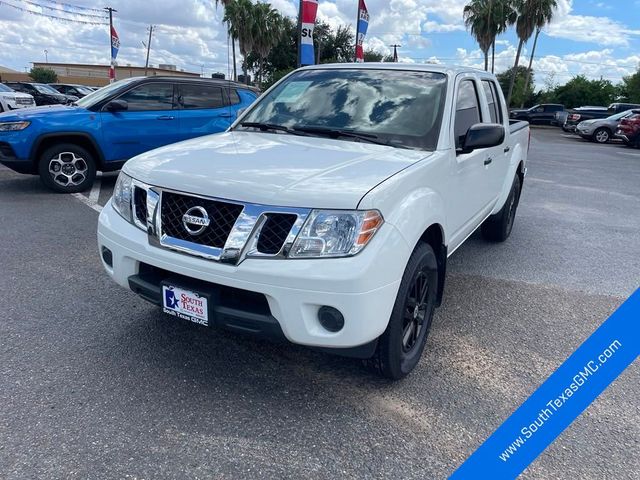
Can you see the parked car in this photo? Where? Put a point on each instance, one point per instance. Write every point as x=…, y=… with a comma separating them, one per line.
x=12, y=100
x=42, y=93
x=629, y=129
x=326, y=214
x=580, y=114
x=66, y=144
x=78, y=91
x=559, y=118
x=622, y=107
x=538, y=114
x=601, y=130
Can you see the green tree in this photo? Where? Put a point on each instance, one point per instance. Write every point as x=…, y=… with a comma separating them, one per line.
x=267, y=30
x=477, y=18
x=373, y=56
x=486, y=19
x=43, y=75
x=528, y=19
x=580, y=91
x=521, y=95
x=630, y=88
x=233, y=40
x=542, y=12
x=238, y=15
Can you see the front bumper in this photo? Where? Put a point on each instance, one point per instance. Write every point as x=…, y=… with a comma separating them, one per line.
x=9, y=159
x=363, y=288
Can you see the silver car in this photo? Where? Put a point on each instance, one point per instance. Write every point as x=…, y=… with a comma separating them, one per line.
x=601, y=130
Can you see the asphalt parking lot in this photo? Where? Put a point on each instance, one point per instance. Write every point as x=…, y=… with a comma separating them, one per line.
x=96, y=383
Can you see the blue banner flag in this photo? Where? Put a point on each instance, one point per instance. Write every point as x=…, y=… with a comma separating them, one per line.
x=560, y=399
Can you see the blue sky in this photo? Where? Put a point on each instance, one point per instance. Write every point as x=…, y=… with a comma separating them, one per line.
x=592, y=37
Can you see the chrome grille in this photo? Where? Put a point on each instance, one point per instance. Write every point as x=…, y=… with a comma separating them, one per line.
x=140, y=205
x=274, y=232
x=222, y=217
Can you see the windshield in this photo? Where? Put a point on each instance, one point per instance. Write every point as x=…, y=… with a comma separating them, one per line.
x=399, y=108
x=619, y=116
x=84, y=90
x=4, y=88
x=42, y=88
x=95, y=97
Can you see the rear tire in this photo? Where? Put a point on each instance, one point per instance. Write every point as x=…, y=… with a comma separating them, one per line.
x=67, y=168
x=497, y=228
x=400, y=346
x=601, y=135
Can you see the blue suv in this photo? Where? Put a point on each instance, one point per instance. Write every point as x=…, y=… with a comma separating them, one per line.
x=65, y=145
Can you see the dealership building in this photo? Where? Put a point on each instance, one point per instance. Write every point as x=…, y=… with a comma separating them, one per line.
x=94, y=75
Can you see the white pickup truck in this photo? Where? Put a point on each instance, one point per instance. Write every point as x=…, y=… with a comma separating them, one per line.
x=326, y=213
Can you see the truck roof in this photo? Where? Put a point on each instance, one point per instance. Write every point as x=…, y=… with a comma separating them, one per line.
x=423, y=67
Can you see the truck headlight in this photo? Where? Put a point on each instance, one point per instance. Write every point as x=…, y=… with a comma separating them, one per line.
x=336, y=233
x=121, y=199
x=13, y=126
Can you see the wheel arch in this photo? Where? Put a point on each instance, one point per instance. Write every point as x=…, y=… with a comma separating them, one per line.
x=81, y=139
x=434, y=236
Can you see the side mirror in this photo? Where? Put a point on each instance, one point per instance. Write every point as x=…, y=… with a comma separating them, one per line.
x=482, y=135
x=117, y=106
x=240, y=111
x=539, y=110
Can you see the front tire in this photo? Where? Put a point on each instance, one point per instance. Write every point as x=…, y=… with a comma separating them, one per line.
x=67, y=168
x=497, y=228
x=400, y=346
x=601, y=135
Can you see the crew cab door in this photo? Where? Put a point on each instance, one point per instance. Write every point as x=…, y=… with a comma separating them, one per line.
x=149, y=122
x=204, y=109
x=500, y=155
x=475, y=191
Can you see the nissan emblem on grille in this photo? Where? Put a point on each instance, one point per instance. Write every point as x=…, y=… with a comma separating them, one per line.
x=195, y=220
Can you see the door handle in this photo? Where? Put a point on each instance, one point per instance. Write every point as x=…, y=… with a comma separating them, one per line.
x=488, y=161
x=165, y=117
x=226, y=115
x=507, y=149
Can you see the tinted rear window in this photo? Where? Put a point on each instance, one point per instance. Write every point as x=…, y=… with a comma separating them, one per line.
x=201, y=96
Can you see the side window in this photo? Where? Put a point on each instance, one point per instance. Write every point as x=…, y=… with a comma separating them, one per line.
x=493, y=100
x=467, y=110
x=201, y=96
x=234, y=98
x=152, y=96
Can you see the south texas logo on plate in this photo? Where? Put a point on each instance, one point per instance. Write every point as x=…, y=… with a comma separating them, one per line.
x=185, y=304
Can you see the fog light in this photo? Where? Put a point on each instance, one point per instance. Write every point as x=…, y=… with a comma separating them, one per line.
x=331, y=319
x=107, y=256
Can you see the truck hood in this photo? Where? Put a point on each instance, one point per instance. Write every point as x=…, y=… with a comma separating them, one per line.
x=273, y=169
x=46, y=111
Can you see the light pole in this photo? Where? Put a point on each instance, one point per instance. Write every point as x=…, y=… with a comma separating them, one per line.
x=46, y=56
x=112, y=68
x=395, y=52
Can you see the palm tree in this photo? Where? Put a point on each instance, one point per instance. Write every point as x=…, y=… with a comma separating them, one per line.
x=478, y=19
x=266, y=31
x=486, y=19
x=532, y=15
x=504, y=14
x=543, y=14
x=233, y=40
x=238, y=15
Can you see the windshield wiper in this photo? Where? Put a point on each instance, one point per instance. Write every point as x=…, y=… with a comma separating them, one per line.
x=270, y=126
x=336, y=132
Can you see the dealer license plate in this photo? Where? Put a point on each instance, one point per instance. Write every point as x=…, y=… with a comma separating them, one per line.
x=185, y=304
